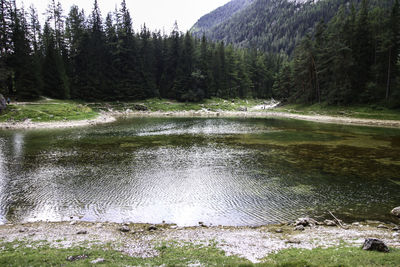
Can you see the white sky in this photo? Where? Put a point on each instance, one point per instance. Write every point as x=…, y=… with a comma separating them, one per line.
x=157, y=14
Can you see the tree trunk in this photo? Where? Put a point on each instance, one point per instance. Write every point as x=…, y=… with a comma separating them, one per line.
x=388, y=78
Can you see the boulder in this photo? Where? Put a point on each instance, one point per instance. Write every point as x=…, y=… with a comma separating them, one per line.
x=305, y=222
x=375, y=245
x=140, y=108
x=396, y=212
x=3, y=103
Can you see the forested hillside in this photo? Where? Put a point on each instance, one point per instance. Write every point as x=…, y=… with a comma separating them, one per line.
x=218, y=16
x=353, y=58
x=274, y=25
x=81, y=57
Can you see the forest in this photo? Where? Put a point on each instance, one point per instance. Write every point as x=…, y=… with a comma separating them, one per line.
x=331, y=51
x=86, y=58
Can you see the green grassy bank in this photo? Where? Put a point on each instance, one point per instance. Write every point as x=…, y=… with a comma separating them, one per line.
x=47, y=111
x=174, y=254
x=361, y=112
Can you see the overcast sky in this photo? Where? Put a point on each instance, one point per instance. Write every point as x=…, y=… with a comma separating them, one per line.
x=157, y=14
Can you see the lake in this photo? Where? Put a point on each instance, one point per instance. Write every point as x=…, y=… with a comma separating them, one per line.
x=218, y=171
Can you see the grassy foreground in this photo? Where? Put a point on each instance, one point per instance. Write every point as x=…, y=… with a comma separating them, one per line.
x=47, y=111
x=174, y=254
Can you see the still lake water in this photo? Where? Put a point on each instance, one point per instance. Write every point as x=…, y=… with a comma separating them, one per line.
x=219, y=171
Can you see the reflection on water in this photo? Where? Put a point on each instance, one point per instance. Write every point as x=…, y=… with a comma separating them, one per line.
x=219, y=171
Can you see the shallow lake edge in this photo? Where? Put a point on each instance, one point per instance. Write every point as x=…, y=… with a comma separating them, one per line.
x=110, y=117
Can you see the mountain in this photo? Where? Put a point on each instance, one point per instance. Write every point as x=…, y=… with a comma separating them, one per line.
x=219, y=15
x=269, y=25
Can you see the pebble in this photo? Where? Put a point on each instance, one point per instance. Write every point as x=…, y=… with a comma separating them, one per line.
x=124, y=229
x=329, y=223
x=152, y=228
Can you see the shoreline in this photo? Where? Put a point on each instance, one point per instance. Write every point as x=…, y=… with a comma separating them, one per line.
x=252, y=243
x=112, y=116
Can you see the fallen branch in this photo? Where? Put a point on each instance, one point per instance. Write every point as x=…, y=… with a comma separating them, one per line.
x=338, y=221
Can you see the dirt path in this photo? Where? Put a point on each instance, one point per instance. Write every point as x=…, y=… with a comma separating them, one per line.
x=249, y=242
x=111, y=116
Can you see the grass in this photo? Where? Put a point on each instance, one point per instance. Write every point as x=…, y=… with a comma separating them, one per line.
x=339, y=256
x=164, y=105
x=48, y=111
x=362, y=112
x=170, y=254
x=174, y=254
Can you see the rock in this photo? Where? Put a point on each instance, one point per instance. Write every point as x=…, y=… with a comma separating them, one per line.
x=355, y=224
x=278, y=231
x=299, y=228
x=293, y=242
x=173, y=227
x=305, y=222
x=98, y=260
x=396, y=212
x=242, y=109
x=72, y=223
x=78, y=257
x=202, y=224
x=124, y=229
x=82, y=232
x=23, y=230
x=152, y=228
x=375, y=245
x=3, y=103
x=396, y=228
x=329, y=223
x=381, y=226
x=140, y=108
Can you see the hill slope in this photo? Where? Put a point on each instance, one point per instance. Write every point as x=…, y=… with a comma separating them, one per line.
x=269, y=25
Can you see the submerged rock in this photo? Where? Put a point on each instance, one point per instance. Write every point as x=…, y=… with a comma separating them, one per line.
x=375, y=245
x=396, y=212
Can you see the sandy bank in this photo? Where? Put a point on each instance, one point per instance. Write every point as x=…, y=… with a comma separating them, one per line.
x=111, y=116
x=253, y=243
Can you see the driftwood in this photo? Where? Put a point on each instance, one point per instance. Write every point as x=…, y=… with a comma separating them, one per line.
x=338, y=221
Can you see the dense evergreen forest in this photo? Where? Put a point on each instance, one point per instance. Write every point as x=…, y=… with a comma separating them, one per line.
x=353, y=58
x=333, y=51
x=90, y=58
